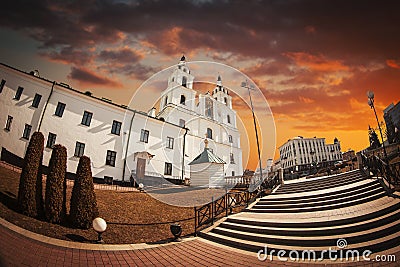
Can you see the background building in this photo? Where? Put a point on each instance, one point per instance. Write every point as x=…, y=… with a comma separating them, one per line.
x=299, y=153
x=391, y=114
x=120, y=141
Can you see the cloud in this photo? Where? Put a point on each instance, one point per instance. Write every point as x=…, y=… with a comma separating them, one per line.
x=316, y=62
x=393, y=63
x=122, y=55
x=87, y=77
x=69, y=55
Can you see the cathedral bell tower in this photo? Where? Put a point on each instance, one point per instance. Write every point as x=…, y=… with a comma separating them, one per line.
x=221, y=94
x=179, y=92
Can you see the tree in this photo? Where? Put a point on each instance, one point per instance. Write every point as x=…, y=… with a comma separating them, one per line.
x=55, y=203
x=373, y=139
x=30, y=195
x=83, y=207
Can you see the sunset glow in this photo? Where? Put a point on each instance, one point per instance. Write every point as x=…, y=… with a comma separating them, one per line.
x=314, y=61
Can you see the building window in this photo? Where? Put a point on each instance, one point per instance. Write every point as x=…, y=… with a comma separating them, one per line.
x=226, y=100
x=182, y=123
x=18, y=93
x=144, y=136
x=232, y=159
x=110, y=159
x=8, y=123
x=59, y=109
x=3, y=82
x=230, y=138
x=116, y=128
x=228, y=118
x=184, y=81
x=87, y=118
x=166, y=101
x=209, y=133
x=79, y=149
x=170, y=142
x=209, y=108
x=51, y=140
x=27, y=131
x=183, y=100
x=168, y=168
x=233, y=173
x=36, y=100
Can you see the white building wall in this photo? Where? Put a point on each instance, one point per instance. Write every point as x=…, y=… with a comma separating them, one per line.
x=97, y=137
x=21, y=110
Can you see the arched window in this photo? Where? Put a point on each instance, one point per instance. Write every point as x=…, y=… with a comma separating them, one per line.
x=184, y=81
x=228, y=118
x=230, y=138
x=226, y=100
x=209, y=133
x=173, y=79
x=183, y=99
x=166, y=101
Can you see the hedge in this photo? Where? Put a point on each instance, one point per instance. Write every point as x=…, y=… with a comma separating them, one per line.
x=30, y=195
x=83, y=205
x=55, y=203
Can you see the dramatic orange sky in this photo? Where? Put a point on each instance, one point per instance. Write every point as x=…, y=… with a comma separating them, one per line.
x=313, y=60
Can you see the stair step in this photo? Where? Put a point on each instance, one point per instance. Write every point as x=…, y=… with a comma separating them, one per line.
x=316, y=231
x=331, y=195
x=317, y=224
x=315, y=203
x=312, y=241
x=326, y=179
x=375, y=247
x=309, y=188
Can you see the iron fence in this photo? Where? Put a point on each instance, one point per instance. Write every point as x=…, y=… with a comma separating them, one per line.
x=375, y=165
x=207, y=214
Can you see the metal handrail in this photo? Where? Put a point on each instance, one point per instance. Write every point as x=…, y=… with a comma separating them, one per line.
x=208, y=213
x=378, y=167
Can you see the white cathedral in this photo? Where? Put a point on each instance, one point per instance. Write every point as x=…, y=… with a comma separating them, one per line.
x=122, y=143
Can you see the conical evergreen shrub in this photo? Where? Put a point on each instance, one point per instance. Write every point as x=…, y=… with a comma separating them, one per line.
x=54, y=204
x=83, y=205
x=30, y=194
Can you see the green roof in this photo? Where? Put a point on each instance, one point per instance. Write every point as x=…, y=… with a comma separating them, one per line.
x=207, y=157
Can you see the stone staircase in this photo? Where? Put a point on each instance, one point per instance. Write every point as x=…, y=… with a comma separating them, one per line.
x=313, y=215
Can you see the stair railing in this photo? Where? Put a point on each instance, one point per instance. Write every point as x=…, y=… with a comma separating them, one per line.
x=223, y=206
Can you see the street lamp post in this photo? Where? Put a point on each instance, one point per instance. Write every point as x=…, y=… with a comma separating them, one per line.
x=371, y=96
x=249, y=87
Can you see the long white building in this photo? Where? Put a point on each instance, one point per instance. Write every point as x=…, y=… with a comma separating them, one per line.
x=299, y=153
x=121, y=142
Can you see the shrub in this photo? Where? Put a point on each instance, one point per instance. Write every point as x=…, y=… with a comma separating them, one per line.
x=30, y=195
x=83, y=205
x=55, y=208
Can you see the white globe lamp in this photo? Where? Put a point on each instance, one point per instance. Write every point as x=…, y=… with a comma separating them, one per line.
x=100, y=226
